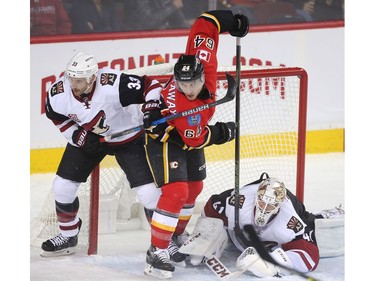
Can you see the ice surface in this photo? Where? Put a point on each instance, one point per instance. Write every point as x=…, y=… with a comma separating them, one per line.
x=121, y=256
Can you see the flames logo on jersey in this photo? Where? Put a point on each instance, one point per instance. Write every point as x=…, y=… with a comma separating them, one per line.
x=241, y=200
x=108, y=79
x=58, y=88
x=294, y=224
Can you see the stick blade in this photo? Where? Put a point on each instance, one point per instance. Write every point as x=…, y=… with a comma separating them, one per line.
x=232, y=87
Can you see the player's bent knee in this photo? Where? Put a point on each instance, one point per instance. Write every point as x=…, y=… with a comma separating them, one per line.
x=195, y=188
x=304, y=254
x=64, y=191
x=176, y=192
x=148, y=194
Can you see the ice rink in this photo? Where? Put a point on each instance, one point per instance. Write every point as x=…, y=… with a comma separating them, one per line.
x=121, y=256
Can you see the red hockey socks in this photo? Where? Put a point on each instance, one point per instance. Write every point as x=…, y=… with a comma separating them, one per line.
x=165, y=217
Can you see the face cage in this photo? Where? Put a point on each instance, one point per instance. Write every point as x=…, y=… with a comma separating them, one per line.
x=262, y=216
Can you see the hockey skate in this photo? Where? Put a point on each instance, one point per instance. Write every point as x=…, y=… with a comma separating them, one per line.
x=158, y=263
x=60, y=245
x=177, y=258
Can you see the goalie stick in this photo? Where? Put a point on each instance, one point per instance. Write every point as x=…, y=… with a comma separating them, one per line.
x=231, y=92
x=238, y=232
x=254, y=240
x=220, y=270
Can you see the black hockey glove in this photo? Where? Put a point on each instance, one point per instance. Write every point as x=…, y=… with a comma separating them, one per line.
x=152, y=112
x=222, y=132
x=241, y=26
x=86, y=140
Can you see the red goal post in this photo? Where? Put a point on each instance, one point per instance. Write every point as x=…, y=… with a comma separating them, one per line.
x=273, y=137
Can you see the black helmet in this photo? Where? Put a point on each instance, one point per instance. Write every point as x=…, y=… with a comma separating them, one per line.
x=188, y=68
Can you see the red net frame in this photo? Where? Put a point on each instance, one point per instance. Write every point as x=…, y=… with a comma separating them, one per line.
x=245, y=74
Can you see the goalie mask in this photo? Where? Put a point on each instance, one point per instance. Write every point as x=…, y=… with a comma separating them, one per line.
x=82, y=66
x=270, y=195
x=189, y=76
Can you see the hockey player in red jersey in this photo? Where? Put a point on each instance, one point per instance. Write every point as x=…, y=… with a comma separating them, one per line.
x=175, y=150
x=86, y=105
x=281, y=221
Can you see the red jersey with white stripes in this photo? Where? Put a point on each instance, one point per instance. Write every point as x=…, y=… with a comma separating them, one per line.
x=203, y=42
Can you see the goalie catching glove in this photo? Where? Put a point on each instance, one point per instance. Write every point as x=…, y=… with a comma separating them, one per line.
x=251, y=261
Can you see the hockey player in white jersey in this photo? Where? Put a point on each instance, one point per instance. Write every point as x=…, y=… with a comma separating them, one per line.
x=86, y=105
x=279, y=218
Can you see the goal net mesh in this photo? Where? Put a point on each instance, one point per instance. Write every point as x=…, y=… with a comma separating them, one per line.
x=272, y=128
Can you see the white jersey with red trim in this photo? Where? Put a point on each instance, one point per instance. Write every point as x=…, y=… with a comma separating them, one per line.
x=283, y=228
x=111, y=107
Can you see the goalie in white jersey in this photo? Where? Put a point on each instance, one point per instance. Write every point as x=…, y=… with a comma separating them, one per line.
x=86, y=105
x=279, y=218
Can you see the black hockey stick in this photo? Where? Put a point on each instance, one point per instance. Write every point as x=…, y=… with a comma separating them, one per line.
x=254, y=240
x=231, y=92
x=237, y=230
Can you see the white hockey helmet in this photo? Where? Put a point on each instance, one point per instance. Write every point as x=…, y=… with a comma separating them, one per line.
x=82, y=66
x=270, y=195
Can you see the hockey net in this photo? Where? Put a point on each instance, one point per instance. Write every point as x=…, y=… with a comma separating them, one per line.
x=272, y=126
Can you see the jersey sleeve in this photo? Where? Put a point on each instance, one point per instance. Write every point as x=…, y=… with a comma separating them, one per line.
x=215, y=206
x=135, y=89
x=203, y=41
x=306, y=216
x=63, y=123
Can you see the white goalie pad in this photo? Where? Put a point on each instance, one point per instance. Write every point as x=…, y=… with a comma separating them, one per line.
x=208, y=238
x=330, y=236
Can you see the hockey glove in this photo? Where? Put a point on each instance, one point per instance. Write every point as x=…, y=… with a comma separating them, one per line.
x=222, y=132
x=152, y=112
x=241, y=26
x=86, y=140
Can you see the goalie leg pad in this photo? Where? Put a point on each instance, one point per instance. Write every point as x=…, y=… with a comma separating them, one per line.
x=208, y=238
x=330, y=236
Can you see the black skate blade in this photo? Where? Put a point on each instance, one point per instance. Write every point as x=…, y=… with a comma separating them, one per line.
x=64, y=252
x=161, y=274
